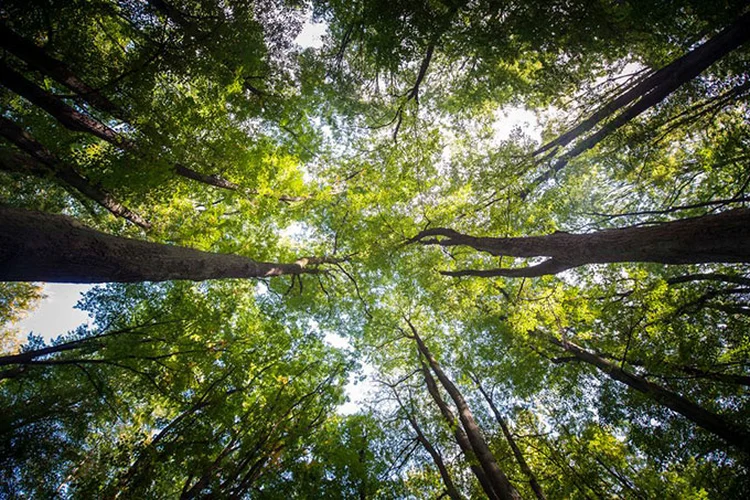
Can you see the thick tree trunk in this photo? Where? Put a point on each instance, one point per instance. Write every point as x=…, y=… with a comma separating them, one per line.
x=36, y=246
x=486, y=459
x=512, y=442
x=723, y=237
x=734, y=435
x=458, y=433
x=37, y=58
x=42, y=163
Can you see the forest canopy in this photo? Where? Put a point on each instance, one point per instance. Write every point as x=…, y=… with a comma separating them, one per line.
x=552, y=309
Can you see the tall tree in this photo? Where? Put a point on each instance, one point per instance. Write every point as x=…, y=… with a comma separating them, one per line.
x=44, y=247
x=712, y=238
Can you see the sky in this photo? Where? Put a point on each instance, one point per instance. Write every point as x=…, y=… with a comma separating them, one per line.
x=311, y=34
x=56, y=313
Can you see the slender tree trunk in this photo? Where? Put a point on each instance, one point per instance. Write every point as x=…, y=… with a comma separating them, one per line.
x=727, y=278
x=70, y=118
x=694, y=372
x=723, y=237
x=76, y=121
x=42, y=163
x=36, y=246
x=648, y=93
x=212, y=180
x=733, y=434
x=450, y=488
x=512, y=442
x=677, y=72
x=461, y=437
x=497, y=477
x=37, y=58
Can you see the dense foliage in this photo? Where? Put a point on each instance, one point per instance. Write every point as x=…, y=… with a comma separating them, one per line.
x=557, y=310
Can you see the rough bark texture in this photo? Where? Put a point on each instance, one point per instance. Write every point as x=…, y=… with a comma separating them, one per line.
x=711, y=422
x=36, y=246
x=458, y=433
x=723, y=237
x=486, y=459
x=512, y=442
x=37, y=58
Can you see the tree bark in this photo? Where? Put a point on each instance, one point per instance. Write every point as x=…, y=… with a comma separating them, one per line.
x=733, y=434
x=37, y=58
x=723, y=237
x=79, y=122
x=692, y=371
x=497, y=477
x=458, y=433
x=36, y=246
x=512, y=442
x=213, y=180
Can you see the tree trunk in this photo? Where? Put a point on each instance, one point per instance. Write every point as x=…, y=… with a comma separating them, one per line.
x=36, y=246
x=79, y=122
x=70, y=118
x=497, y=478
x=648, y=93
x=458, y=432
x=42, y=163
x=450, y=488
x=723, y=237
x=512, y=442
x=37, y=58
x=711, y=422
x=213, y=180
x=692, y=371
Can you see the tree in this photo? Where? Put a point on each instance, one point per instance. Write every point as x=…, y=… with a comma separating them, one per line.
x=711, y=238
x=588, y=159
x=55, y=248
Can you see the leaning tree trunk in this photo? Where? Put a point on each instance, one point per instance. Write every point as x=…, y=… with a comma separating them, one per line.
x=450, y=488
x=646, y=94
x=667, y=78
x=69, y=117
x=40, y=162
x=37, y=58
x=486, y=459
x=461, y=437
x=733, y=434
x=76, y=121
x=535, y=486
x=36, y=246
x=723, y=237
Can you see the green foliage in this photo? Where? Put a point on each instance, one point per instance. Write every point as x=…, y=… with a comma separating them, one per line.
x=231, y=388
